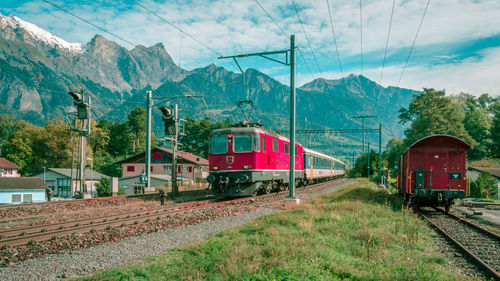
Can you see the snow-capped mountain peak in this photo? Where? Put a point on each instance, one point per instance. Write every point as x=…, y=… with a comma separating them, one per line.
x=38, y=33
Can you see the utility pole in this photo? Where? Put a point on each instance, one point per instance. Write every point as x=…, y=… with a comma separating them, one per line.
x=84, y=130
x=380, y=152
x=175, y=188
x=363, y=117
x=147, y=172
x=368, y=154
x=291, y=63
x=292, y=117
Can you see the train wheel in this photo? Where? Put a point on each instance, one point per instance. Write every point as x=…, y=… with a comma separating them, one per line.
x=267, y=188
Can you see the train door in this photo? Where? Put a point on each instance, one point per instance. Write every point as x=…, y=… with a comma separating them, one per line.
x=436, y=163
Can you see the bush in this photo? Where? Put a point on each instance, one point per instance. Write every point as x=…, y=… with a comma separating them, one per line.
x=121, y=191
x=102, y=188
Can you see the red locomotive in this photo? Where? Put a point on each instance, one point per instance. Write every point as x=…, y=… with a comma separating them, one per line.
x=432, y=172
x=247, y=159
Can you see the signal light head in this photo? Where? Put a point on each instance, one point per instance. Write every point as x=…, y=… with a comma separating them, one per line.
x=167, y=112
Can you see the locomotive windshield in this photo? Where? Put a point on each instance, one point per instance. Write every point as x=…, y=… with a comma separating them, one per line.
x=218, y=144
x=246, y=143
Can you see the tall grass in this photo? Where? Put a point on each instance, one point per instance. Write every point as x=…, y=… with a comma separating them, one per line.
x=358, y=233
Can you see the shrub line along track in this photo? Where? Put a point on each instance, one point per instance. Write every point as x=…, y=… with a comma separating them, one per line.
x=23, y=236
x=481, y=245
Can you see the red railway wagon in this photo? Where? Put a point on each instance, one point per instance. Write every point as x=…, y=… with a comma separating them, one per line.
x=244, y=161
x=432, y=171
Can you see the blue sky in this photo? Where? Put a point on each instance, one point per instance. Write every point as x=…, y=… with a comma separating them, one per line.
x=457, y=49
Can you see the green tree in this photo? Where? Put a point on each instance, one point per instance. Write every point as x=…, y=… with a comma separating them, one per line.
x=434, y=113
x=495, y=131
x=487, y=184
x=102, y=187
x=136, y=128
x=6, y=127
x=52, y=146
x=394, y=148
x=195, y=139
x=478, y=123
x=19, y=146
x=361, y=165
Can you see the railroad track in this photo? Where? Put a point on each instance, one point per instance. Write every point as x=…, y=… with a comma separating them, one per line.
x=479, y=244
x=23, y=235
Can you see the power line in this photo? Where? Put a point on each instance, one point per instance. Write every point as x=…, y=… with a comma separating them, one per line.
x=334, y=38
x=307, y=38
x=109, y=32
x=286, y=35
x=269, y=15
x=387, y=43
x=361, y=31
x=174, y=26
x=414, y=40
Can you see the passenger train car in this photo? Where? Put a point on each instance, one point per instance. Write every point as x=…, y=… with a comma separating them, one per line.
x=432, y=171
x=247, y=160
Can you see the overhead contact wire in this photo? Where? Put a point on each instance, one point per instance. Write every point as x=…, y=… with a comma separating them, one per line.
x=335, y=39
x=286, y=35
x=307, y=38
x=387, y=43
x=414, y=40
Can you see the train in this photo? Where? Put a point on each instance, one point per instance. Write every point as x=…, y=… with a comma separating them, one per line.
x=432, y=172
x=247, y=160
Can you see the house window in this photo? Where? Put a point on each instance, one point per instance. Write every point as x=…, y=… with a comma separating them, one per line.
x=130, y=168
x=186, y=169
x=275, y=146
x=25, y=198
x=16, y=198
x=167, y=168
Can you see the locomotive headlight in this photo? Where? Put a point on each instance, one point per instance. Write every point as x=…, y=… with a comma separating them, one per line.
x=246, y=167
x=215, y=168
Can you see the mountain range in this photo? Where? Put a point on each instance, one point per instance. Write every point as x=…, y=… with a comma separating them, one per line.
x=37, y=69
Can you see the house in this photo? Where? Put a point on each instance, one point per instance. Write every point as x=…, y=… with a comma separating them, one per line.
x=8, y=169
x=15, y=190
x=64, y=182
x=133, y=185
x=495, y=172
x=188, y=165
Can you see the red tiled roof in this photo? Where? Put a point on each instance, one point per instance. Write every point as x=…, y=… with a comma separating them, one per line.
x=6, y=164
x=181, y=154
x=186, y=155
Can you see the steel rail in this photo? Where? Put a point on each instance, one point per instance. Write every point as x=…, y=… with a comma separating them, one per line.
x=479, y=261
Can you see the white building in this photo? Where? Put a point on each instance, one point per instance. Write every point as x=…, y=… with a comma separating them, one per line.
x=64, y=182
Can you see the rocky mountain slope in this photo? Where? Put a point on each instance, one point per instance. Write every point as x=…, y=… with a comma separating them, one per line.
x=38, y=68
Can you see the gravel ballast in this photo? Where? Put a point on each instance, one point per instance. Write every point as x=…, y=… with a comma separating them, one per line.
x=81, y=262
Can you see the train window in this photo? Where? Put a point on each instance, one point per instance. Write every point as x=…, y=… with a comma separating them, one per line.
x=308, y=161
x=218, y=144
x=256, y=142
x=243, y=143
x=275, y=146
x=263, y=143
x=287, y=148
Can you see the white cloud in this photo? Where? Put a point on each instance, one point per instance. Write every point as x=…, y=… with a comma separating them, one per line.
x=232, y=27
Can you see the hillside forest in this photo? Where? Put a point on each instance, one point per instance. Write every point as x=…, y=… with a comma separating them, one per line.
x=476, y=120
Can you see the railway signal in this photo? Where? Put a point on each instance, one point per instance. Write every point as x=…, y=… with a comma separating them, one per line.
x=82, y=108
x=169, y=118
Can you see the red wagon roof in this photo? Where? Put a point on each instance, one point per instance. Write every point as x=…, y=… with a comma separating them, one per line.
x=439, y=139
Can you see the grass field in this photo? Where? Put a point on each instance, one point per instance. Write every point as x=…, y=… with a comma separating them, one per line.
x=355, y=234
